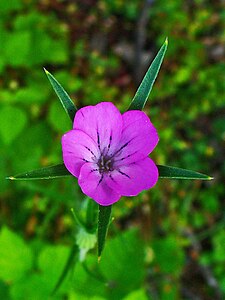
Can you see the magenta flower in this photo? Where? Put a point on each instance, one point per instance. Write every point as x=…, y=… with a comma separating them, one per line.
x=108, y=152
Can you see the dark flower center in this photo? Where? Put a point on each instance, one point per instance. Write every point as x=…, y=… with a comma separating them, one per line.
x=105, y=163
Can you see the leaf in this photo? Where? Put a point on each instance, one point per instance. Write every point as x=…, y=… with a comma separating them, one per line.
x=162, y=258
x=4, y=290
x=11, y=116
x=123, y=263
x=9, y=6
x=69, y=264
x=51, y=264
x=104, y=215
x=16, y=257
x=178, y=173
x=77, y=219
x=25, y=286
x=137, y=295
x=146, y=85
x=88, y=280
x=51, y=172
x=57, y=120
x=66, y=101
x=16, y=48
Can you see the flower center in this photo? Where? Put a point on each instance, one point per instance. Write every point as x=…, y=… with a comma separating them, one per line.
x=105, y=163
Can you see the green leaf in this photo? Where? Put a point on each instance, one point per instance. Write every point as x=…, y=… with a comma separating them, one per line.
x=77, y=219
x=38, y=144
x=178, y=173
x=66, y=101
x=4, y=291
x=162, y=258
x=88, y=280
x=146, y=85
x=51, y=264
x=13, y=121
x=137, y=295
x=16, y=48
x=103, y=224
x=51, y=172
x=69, y=264
x=25, y=286
x=123, y=263
x=9, y=6
x=57, y=120
x=15, y=256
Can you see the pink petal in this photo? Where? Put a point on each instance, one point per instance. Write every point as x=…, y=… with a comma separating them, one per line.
x=102, y=122
x=78, y=148
x=139, y=138
x=130, y=180
x=93, y=185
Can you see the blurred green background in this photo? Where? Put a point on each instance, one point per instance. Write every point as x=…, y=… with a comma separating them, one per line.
x=167, y=243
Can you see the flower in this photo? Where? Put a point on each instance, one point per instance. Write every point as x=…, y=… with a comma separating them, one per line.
x=108, y=152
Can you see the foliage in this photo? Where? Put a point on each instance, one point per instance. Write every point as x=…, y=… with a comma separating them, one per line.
x=180, y=224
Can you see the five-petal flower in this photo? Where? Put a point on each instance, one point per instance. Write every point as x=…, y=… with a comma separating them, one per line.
x=108, y=152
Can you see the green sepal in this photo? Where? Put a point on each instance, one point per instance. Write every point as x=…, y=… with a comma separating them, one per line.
x=141, y=96
x=51, y=172
x=79, y=222
x=60, y=170
x=64, y=98
x=104, y=215
x=178, y=173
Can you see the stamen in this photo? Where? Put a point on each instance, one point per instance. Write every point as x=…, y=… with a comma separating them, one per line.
x=105, y=163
